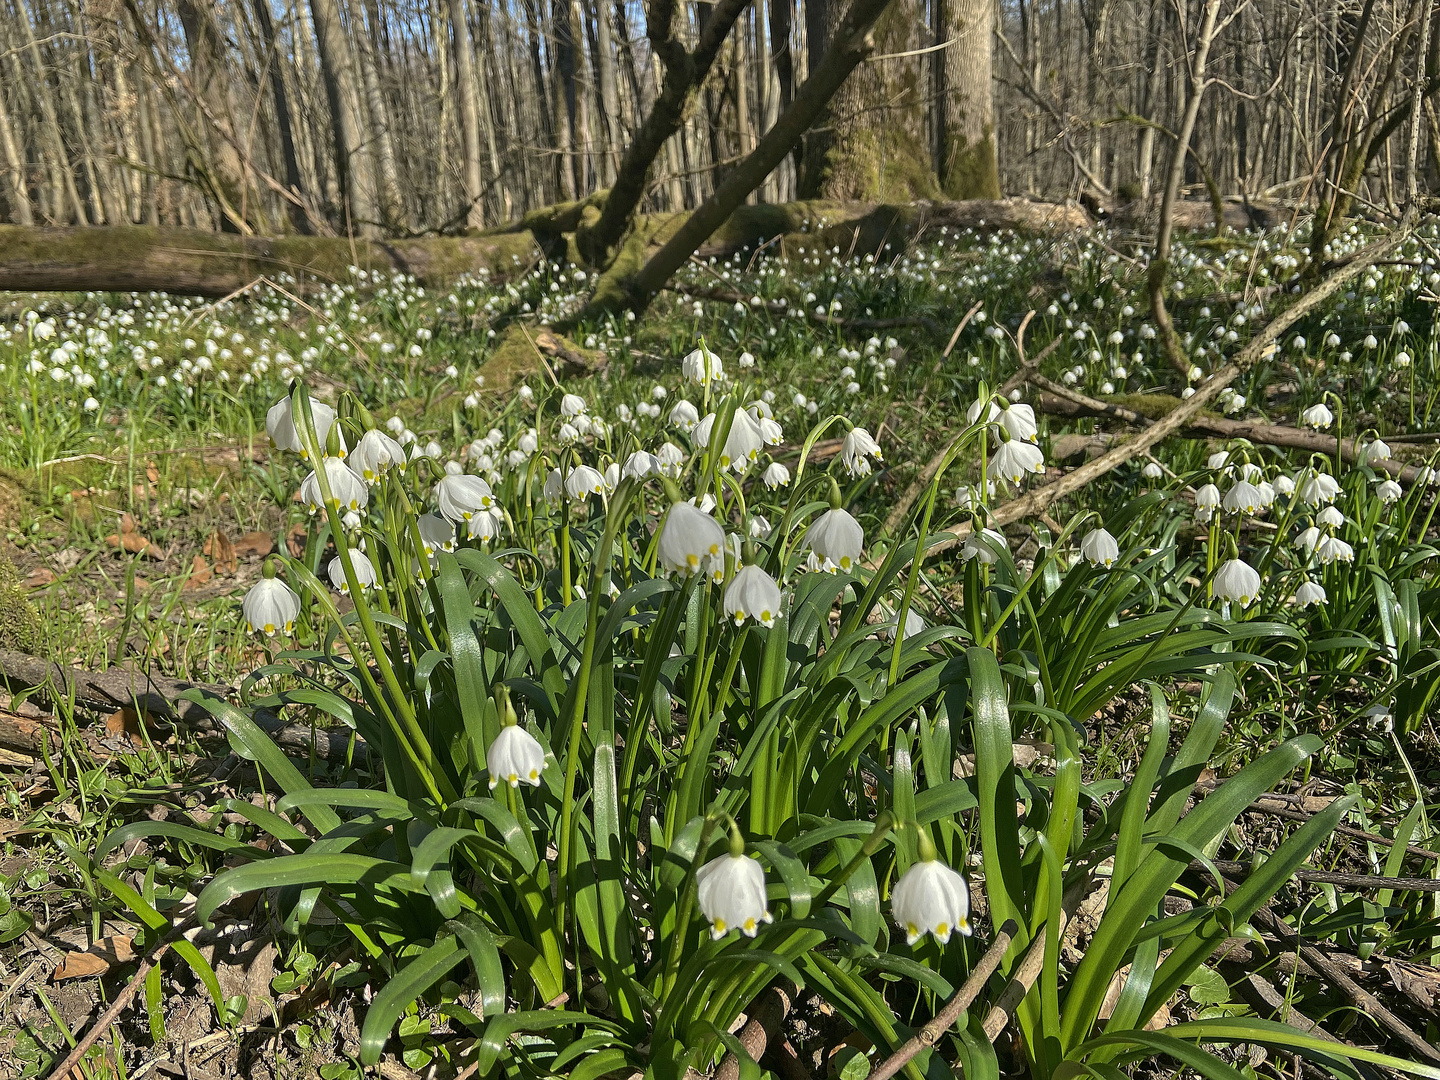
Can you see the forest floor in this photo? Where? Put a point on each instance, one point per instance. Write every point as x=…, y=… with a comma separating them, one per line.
x=141, y=499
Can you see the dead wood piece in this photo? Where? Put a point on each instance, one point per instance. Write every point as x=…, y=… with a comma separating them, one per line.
x=1267, y=806
x=125, y=685
x=1327, y=877
x=1339, y=979
x=764, y=1019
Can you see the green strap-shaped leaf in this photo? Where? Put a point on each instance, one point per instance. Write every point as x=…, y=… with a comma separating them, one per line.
x=417, y=976
x=466, y=658
x=523, y=617
x=157, y=922
x=308, y=868
x=1291, y=1040
x=484, y=953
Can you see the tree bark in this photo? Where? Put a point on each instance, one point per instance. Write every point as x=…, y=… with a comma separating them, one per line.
x=16, y=196
x=352, y=161
x=280, y=100
x=468, y=92
x=685, y=70
x=965, y=106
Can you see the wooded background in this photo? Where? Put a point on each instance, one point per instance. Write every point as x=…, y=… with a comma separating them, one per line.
x=411, y=117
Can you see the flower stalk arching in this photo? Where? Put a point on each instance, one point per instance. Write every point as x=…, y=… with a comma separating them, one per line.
x=398, y=709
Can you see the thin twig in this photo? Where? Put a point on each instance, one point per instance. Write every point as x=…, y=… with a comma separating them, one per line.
x=1265, y=807
x=1028, y=970
x=946, y=1017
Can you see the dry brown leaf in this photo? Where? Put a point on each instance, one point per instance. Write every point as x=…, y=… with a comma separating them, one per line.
x=222, y=553
x=254, y=545
x=105, y=954
x=39, y=577
x=295, y=539
x=124, y=721
x=200, y=573
x=152, y=473
x=129, y=539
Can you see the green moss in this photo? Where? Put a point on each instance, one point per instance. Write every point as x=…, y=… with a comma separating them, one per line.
x=20, y=626
x=511, y=361
x=1150, y=406
x=970, y=168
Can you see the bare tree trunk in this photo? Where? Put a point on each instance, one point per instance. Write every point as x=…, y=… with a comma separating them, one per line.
x=387, y=172
x=966, y=110
x=352, y=162
x=280, y=100
x=468, y=92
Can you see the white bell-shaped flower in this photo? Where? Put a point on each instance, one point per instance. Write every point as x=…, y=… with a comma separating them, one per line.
x=436, y=533
x=1152, y=471
x=459, y=495
x=731, y=893
x=1018, y=420
x=1317, y=488
x=1099, y=548
x=1310, y=592
x=1284, y=485
x=584, y=481
x=672, y=460
x=514, y=757
x=702, y=366
x=771, y=433
x=691, y=541
x=373, y=454
x=1014, y=459
x=1207, y=497
x=684, y=415
x=280, y=426
x=364, y=572
x=347, y=491
x=529, y=442
x=1387, y=491
x=983, y=545
x=931, y=898
x=835, y=540
x=1318, y=417
x=485, y=525
x=270, y=605
x=1238, y=581
x=752, y=594
x=571, y=405
x=554, y=489
x=775, y=476
x=742, y=445
x=1243, y=498
x=1332, y=550
x=1330, y=517
x=1375, y=452
x=856, y=449
x=641, y=464
x=1308, y=539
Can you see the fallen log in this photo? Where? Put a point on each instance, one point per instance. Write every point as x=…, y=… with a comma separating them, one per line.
x=193, y=262
x=198, y=263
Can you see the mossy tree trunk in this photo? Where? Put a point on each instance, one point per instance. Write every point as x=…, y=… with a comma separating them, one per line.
x=965, y=105
x=870, y=143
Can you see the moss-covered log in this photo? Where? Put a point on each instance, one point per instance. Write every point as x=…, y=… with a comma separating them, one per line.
x=198, y=263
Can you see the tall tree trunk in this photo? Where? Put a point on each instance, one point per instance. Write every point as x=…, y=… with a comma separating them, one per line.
x=784, y=64
x=352, y=162
x=567, y=102
x=58, y=159
x=609, y=129
x=17, y=198
x=215, y=117
x=387, y=171
x=871, y=143
x=468, y=91
x=966, y=108
x=280, y=101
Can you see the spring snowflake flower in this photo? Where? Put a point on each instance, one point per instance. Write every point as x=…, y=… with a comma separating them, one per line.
x=672, y=460
x=458, y=495
x=1152, y=471
x=374, y=453
x=731, y=893
x=515, y=756
x=1375, y=452
x=640, y=464
x=1332, y=550
x=1237, y=580
x=1318, y=417
x=1099, y=547
x=742, y=445
x=1330, y=517
x=571, y=406
x=1283, y=485
x=1308, y=540
x=347, y=491
x=1243, y=498
x=436, y=533
x=1317, y=488
x=364, y=572
x=1388, y=491
x=976, y=546
x=752, y=594
x=1013, y=459
x=584, y=481
x=775, y=476
x=836, y=541
x=931, y=898
x=485, y=524
x=856, y=449
x=1310, y=592
x=270, y=605
x=685, y=416
x=691, y=541
x=702, y=366
x=280, y=426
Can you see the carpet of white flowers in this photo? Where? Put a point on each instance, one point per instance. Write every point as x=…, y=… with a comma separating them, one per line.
x=721, y=668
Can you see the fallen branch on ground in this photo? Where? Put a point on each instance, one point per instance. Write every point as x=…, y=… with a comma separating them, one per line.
x=1042, y=498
